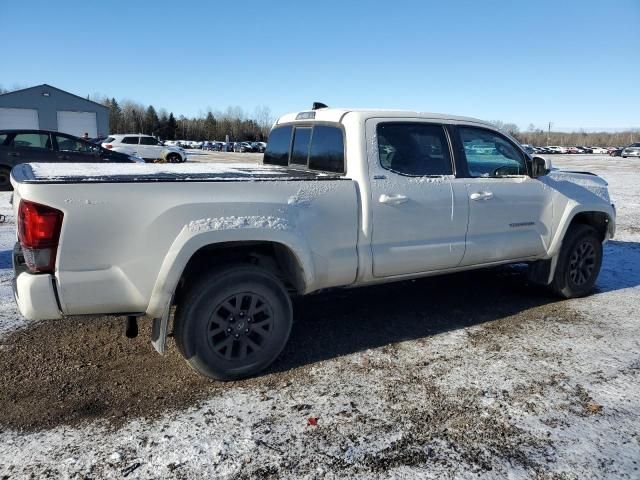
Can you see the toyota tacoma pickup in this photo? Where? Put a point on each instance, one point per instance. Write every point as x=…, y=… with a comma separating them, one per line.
x=213, y=253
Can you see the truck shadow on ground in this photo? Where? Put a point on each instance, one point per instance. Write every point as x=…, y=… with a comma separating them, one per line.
x=72, y=371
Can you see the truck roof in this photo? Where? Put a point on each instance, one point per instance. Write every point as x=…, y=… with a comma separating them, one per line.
x=337, y=114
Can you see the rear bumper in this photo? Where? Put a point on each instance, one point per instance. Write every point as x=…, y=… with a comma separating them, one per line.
x=34, y=294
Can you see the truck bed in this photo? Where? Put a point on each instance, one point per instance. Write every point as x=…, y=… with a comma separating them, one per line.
x=51, y=173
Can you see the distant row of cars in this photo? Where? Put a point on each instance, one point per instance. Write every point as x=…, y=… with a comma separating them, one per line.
x=632, y=150
x=219, y=146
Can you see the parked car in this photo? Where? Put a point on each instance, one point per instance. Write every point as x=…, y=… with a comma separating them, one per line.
x=598, y=150
x=632, y=150
x=556, y=149
x=528, y=148
x=258, y=146
x=242, y=147
x=145, y=146
x=20, y=146
x=615, y=151
x=573, y=150
x=228, y=251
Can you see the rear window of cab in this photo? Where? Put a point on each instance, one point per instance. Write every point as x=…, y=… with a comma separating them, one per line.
x=316, y=147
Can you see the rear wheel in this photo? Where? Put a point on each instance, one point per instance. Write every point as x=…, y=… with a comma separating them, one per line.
x=233, y=323
x=579, y=262
x=5, y=182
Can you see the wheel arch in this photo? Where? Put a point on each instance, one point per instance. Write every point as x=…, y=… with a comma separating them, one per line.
x=289, y=262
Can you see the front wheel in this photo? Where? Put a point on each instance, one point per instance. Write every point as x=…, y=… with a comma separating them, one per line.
x=173, y=158
x=579, y=262
x=233, y=323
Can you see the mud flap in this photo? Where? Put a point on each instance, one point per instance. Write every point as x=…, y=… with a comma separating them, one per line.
x=159, y=329
x=541, y=272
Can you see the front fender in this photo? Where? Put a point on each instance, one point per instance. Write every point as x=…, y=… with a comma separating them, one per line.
x=193, y=237
x=571, y=211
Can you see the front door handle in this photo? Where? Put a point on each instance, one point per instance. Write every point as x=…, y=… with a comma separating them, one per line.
x=481, y=196
x=14, y=154
x=392, y=199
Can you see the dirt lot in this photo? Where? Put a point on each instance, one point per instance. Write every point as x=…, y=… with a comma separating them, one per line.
x=471, y=375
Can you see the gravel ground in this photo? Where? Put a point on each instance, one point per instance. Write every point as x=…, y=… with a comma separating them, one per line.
x=409, y=380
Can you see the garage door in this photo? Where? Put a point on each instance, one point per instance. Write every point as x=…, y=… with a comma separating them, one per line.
x=18, y=118
x=76, y=123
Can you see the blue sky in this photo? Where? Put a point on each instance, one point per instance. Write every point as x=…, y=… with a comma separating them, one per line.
x=574, y=63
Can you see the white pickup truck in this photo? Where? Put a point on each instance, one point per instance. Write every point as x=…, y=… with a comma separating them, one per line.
x=344, y=198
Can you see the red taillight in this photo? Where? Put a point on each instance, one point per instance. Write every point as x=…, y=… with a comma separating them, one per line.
x=39, y=232
x=108, y=146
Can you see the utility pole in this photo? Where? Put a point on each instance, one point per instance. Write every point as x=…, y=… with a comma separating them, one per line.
x=549, y=134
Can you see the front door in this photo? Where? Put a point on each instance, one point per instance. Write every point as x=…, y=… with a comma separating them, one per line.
x=418, y=221
x=509, y=212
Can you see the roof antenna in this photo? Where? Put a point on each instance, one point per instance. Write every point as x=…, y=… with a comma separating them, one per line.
x=318, y=106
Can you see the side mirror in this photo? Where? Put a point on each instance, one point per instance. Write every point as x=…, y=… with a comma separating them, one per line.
x=540, y=166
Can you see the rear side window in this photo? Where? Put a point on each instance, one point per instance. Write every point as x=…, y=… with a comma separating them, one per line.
x=419, y=149
x=277, y=152
x=108, y=140
x=3, y=138
x=131, y=140
x=318, y=147
x=32, y=140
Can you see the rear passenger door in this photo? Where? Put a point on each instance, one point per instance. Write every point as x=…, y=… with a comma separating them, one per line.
x=419, y=224
x=27, y=147
x=129, y=145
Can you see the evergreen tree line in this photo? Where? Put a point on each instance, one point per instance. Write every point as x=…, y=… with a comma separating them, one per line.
x=133, y=117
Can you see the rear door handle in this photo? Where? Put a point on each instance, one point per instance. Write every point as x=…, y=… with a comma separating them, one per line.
x=392, y=199
x=14, y=154
x=481, y=196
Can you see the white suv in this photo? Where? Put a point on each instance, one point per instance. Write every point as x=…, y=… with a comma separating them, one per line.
x=146, y=147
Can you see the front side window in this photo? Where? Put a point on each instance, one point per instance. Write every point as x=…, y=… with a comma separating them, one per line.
x=3, y=138
x=32, y=140
x=490, y=155
x=148, y=141
x=417, y=149
x=67, y=144
x=130, y=140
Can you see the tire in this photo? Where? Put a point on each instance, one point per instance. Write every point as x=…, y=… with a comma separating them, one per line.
x=579, y=262
x=174, y=158
x=234, y=322
x=5, y=179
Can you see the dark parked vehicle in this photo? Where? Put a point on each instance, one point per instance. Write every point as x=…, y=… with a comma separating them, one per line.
x=22, y=146
x=242, y=147
x=259, y=147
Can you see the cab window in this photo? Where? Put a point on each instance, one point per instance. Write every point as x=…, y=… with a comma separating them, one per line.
x=490, y=155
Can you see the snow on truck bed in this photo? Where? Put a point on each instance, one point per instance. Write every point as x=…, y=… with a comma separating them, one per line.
x=135, y=172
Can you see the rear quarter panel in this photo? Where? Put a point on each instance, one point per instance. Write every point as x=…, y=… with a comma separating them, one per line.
x=118, y=238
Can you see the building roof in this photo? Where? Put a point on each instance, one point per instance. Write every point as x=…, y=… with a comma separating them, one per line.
x=45, y=85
